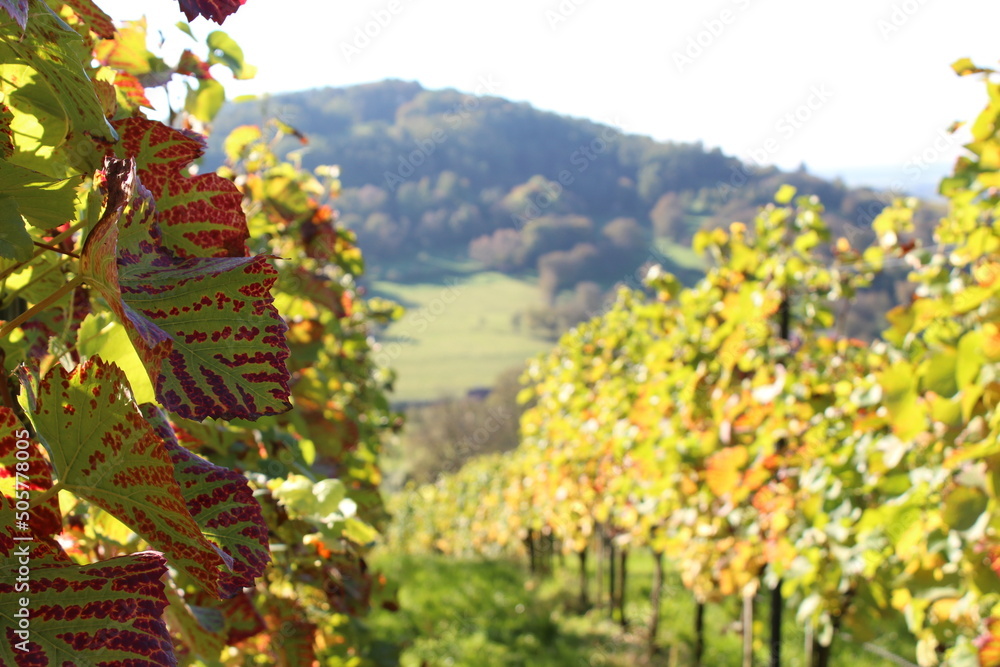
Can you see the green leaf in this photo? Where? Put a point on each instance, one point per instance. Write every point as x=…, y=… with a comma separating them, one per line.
x=239, y=139
x=970, y=358
x=939, y=373
x=205, y=101
x=128, y=53
x=963, y=506
x=199, y=628
x=185, y=27
x=44, y=202
x=15, y=242
x=102, y=336
x=900, y=396
x=52, y=51
x=224, y=50
x=785, y=194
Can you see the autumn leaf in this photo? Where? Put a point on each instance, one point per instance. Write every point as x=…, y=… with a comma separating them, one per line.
x=104, y=451
x=104, y=613
x=989, y=645
x=206, y=328
x=222, y=504
x=217, y=10
x=199, y=216
x=29, y=473
x=91, y=15
x=724, y=470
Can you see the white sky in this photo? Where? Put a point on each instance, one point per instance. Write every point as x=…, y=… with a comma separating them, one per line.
x=883, y=66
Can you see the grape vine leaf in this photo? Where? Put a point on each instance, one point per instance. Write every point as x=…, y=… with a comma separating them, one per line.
x=199, y=216
x=105, y=452
x=93, y=17
x=293, y=644
x=27, y=196
x=104, y=613
x=217, y=10
x=49, y=50
x=207, y=329
x=197, y=630
x=31, y=473
x=222, y=504
x=44, y=202
x=15, y=242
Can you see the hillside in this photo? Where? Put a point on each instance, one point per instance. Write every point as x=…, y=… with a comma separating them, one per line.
x=432, y=180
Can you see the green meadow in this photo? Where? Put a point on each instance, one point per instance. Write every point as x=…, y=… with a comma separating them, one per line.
x=458, y=333
x=493, y=613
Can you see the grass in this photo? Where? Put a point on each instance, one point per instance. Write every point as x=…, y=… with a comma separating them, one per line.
x=479, y=613
x=457, y=334
x=461, y=328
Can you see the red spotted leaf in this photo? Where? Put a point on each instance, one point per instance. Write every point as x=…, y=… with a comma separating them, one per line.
x=25, y=472
x=199, y=216
x=133, y=92
x=206, y=328
x=292, y=640
x=217, y=10
x=104, y=451
x=91, y=16
x=222, y=504
x=105, y=613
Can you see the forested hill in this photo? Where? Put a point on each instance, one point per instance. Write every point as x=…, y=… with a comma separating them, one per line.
x=517, y=189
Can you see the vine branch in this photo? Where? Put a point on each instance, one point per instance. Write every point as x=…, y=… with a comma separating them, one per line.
x=40, y=306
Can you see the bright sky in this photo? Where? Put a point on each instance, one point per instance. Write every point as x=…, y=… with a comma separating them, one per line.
x=869, y=80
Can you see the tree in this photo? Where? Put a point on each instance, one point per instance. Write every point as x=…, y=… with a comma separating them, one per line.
x=667, y=218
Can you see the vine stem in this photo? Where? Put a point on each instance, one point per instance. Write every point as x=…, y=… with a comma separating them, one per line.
x=55, y=241
x=40, y=306
x=45, y=495
x=55, y=249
